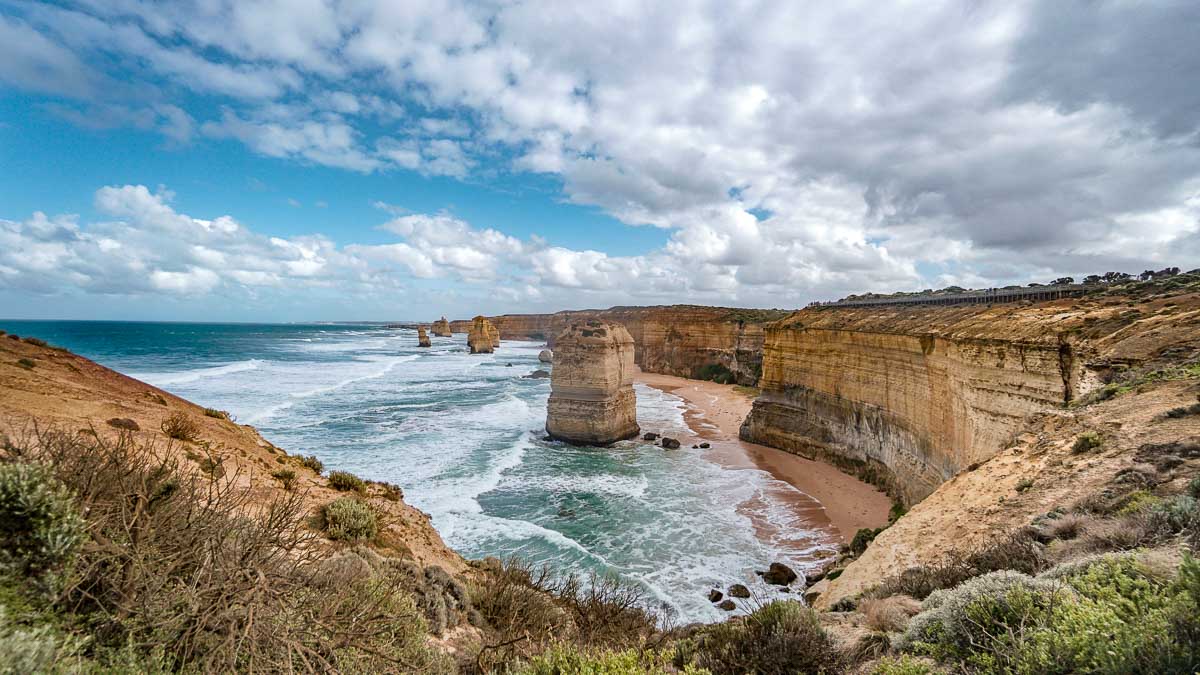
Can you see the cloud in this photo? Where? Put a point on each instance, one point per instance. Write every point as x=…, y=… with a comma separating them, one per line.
x=842, y=148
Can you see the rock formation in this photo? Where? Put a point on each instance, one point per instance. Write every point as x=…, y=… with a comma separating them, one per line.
x=493, y=334
x=685, y=340
x=422, y=337
x=441, y=328
x=546, y=356
x=591, y=386
x=480, y=338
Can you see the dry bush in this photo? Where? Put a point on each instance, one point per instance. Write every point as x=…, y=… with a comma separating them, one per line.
x=124, y=424
x=218, y=414
x=211, y=579
x=890, y=614
x=181, y=427
x=285, y=476
x=528, y=608
x=781, y=637
x=345, y=481
x=313, y=463
x=1019, y=552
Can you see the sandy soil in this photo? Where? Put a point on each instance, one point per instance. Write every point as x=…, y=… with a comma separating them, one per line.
x=715, y=414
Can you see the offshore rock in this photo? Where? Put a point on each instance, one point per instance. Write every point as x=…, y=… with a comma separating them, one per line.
x=422, y=337
x=441, y=328
x=493, y=334
x=591, y=386
x=479, y=339
x=779, y=574
x=546, y=356
x=537, y=375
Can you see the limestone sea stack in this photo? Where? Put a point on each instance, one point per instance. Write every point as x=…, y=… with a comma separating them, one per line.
x=479, y=338
x=493, y=333
x=591, y=386
x=441, y=328
x=422, y=337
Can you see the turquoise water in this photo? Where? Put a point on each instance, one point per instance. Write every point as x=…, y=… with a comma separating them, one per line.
x=462, y=435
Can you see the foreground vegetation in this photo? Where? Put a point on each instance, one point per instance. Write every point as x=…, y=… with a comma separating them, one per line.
x=119, y=556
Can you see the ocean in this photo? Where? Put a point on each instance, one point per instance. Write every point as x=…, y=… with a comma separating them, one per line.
x=464, y=436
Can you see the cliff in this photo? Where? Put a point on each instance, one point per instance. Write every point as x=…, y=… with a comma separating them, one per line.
x=910, y=396
x=56, y=389
x=712, y=343
x=441, y=328
x=591, y=386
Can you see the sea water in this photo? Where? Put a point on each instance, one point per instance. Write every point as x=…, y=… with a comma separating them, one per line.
x=464, y=436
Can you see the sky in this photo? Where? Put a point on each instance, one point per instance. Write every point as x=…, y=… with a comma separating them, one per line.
x=296, y=160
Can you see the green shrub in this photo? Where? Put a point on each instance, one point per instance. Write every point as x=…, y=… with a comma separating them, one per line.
x=350, y=519
x=781, y=637
x=1024, y=484
x=36, y=342
x=124, y=423
x=1086, y=441
x=716, y=373
x=904, y=665
x=312, y=462
x=40, y=525
x=863, y=538
x=1193, y=488
x=980, y=622
x=180, y=426
x=27, y=364
x=217, y=414
x=285, y=476
x=345, y=481
x=568, y=660
x=1018, y=552
x=33, y=649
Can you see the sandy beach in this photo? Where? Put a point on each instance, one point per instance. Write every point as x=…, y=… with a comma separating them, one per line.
x=715, y=414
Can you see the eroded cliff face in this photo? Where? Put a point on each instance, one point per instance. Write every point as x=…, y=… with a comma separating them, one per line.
x=908, y=397
x=682, y=340
x=441, y=328
x=482, y=337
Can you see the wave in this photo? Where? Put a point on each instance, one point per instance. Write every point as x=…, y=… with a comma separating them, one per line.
x=186, y=376
x=272, y=410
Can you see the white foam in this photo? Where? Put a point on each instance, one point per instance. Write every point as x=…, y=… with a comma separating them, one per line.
x=187, y=376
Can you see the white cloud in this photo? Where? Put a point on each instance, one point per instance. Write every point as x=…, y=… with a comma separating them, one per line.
x=838, y=148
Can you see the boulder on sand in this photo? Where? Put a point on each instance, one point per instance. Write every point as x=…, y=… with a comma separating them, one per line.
x=670, y=443
x=591, y=386
x=479, y=339
x=422, y=337
x=779, y=574
x=546, y=356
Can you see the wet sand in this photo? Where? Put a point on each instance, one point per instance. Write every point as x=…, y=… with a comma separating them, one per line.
x=715, y=413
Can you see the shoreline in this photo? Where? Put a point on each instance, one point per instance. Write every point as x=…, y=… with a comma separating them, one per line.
x=714, y=415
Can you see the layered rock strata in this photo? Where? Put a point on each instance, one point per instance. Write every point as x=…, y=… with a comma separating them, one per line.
x=710, y=343
x=480, y=338
x=591, y=385
x=422, y=337
x=908, y=397
x=441, y=328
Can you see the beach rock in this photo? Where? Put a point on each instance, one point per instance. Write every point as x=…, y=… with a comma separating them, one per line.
x=537, y=375
x=479, y=339
x=670, y=443
x=739, y=591
x=546, y=356
x=441, y=328
x=779, y=575
x=422, y=337
x=650, y=436
x=705, y=446
x=727, y=605
x=591, y=386
x=715, y=596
